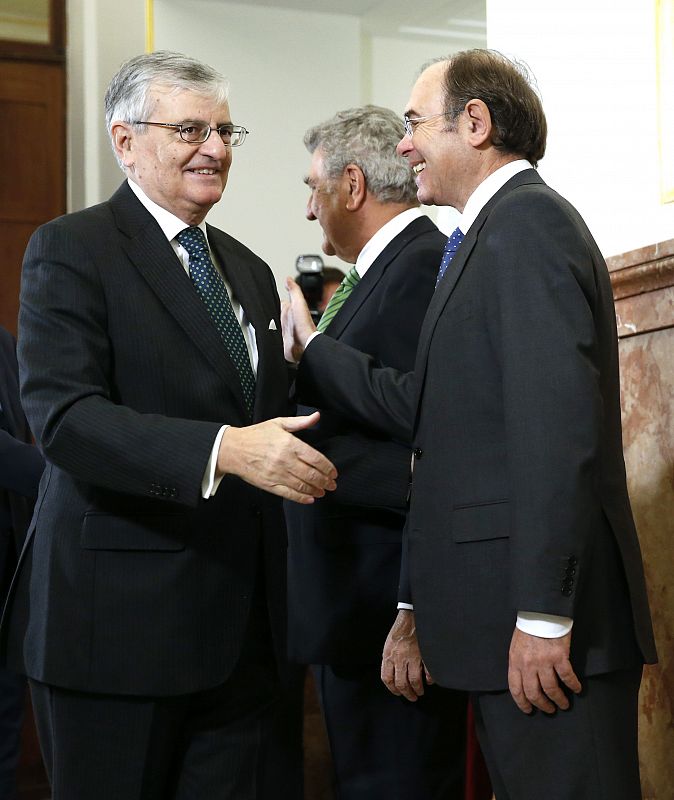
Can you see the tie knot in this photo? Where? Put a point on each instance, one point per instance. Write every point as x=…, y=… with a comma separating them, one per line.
x=454, y=240
x=193, y=240
x=351, y=278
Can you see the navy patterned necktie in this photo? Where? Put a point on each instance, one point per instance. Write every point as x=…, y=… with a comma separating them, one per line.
x=212, y=290
x=338, y=299
x=450, y=249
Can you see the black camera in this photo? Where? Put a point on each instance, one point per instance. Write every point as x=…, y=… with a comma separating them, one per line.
x=310, y=281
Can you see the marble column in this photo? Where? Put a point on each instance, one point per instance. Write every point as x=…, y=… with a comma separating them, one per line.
x=643, y=288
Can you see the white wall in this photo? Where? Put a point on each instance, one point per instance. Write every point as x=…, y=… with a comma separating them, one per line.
x=288, y=70
x=595, y=65
x=101, y=34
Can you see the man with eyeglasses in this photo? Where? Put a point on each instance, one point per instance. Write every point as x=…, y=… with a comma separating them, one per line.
x=522, y=580
x=148, y=607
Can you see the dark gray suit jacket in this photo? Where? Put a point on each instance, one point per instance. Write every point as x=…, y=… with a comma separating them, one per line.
x=131, y=582
x=21, y=463
x=519, y=500
x=344, y=550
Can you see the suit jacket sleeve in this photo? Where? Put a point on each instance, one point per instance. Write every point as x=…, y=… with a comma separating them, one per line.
x=335, y=376
x=542, y=303
x=67, y=370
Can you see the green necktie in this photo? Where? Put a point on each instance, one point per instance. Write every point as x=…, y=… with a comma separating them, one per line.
x=338, y=298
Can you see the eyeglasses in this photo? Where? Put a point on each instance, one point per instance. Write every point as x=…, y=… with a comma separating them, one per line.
x=411, y=123
x=198, y=132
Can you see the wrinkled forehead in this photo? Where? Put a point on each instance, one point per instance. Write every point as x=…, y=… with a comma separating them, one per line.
x=188, y=104
x=427, y=95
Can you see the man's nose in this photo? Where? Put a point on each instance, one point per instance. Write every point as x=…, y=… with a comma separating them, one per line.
x=404, y=146
x=214, y=146
x=310, y=211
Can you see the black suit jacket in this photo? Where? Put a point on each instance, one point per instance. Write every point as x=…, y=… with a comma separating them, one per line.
x=21, y=464
x=131, y=582
x=519, y=500
x=344, y=550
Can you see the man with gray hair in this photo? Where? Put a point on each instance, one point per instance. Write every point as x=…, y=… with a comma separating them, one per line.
x=148, y=606
x=344, y=551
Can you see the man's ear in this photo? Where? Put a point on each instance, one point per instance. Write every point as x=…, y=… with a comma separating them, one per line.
x=479, y=122
x=356, y=185
x=123, y=135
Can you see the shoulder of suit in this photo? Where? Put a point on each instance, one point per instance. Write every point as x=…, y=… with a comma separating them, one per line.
x=535, y=199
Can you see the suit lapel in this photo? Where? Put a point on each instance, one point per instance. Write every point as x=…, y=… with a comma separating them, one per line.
x=371, y=278
x=155, y=259
x=239, y=277
x=454, y=271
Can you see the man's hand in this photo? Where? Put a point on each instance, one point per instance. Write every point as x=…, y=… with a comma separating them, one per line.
x=402, y=669
x=296, y=322
x=535, y=667
x=268, y=456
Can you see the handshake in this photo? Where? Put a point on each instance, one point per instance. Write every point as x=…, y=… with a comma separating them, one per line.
x=268, y=454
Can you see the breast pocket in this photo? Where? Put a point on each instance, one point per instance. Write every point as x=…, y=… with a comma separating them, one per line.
x=481, y=522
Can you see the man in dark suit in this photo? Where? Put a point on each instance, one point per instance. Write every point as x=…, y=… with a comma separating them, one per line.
x=149, y=601
x=522, y=563
x=344, y=551
x=21, y=466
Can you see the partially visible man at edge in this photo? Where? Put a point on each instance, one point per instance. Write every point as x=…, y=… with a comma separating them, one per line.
x=21, y=466
x=519, y=514
x=344, y=551
x=149, y=604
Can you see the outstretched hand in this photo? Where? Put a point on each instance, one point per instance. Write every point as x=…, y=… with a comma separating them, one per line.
x=268, y=456
x=296, y=322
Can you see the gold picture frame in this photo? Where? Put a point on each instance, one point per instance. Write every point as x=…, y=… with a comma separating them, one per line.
x=26, y=22
x=33, y=29
x=149, y=26
x=665, y=89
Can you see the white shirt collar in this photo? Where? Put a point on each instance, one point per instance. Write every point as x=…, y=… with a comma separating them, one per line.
x=168, y=222
x=387, y=233
x=487, y=189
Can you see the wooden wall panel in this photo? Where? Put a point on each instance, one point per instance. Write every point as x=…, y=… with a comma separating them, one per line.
x=32, y=189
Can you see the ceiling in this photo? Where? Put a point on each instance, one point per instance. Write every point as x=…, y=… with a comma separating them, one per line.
x=455, y=21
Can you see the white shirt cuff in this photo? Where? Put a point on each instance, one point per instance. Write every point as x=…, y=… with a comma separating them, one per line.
x=547, y=626
x=210, y=483
x=406, y=606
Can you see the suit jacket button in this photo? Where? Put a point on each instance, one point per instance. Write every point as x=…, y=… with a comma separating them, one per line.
x=418, y=452
x=567, y=591
x=572, y=561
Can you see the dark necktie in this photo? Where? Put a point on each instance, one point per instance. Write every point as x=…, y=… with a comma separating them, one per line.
x=450, y=249
x=338, y=298
x=212, y=290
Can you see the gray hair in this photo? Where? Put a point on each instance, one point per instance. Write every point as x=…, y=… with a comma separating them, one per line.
x=128, y=95
x=367, y=137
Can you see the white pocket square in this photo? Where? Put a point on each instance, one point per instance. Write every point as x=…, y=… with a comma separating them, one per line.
x=272, y=325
